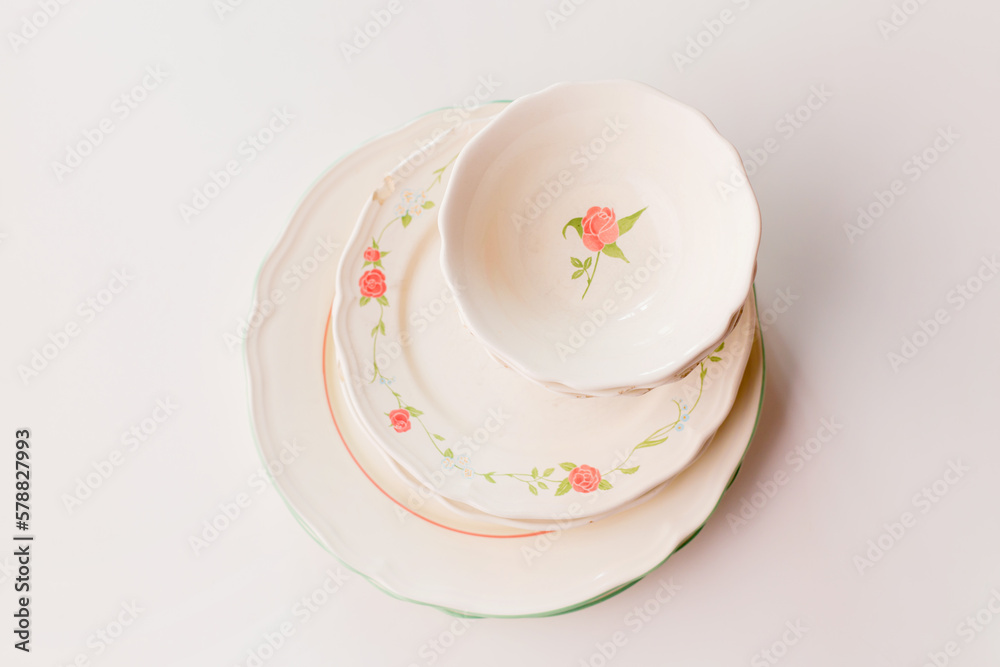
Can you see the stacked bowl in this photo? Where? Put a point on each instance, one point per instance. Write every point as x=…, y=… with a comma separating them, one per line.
x=541, y=367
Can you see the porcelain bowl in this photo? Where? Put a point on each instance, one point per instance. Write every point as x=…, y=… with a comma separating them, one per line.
x=593, y=238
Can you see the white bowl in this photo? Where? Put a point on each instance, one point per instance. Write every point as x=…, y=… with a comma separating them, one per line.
x=590, y=242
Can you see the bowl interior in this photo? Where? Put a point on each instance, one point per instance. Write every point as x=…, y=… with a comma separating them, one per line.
x=611, y=300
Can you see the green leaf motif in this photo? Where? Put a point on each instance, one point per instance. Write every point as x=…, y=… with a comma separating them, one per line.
x=575, y=223
x=576, y=262
x=406, y=220
x=381, y=327
x=428, y=204
x=715, y=358
x=626, y=223
x=439, y=437
x=414, y=412
x=612, y=250
x=629, y=471
x=448, y=454
x=652, y=442
x=578, y=273
x=604, y=485
x=374, y=331
x=365, y=300
x=564, y=487
x=548, y=471
x=543, y=485
x=489, y=478
x=531, y=487
x=586, y=262
x=722, y=345
x=534, y=472
x=567, y=466
x=383, y=300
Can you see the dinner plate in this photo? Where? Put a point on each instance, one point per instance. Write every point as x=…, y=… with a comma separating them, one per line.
x=422, y=553
x=468, y=427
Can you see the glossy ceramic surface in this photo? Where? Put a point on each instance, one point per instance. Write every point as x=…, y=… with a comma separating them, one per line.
x=473, y=430
x=399, y=546
x=588, y=243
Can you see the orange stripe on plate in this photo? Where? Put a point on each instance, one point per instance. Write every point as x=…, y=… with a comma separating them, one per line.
x=326, y=388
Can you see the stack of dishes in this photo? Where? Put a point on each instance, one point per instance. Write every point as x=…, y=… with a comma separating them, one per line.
x=495, y=421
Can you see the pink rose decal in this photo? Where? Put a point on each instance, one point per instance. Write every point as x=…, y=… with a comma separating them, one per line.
x=372, y=284
x=599, y=228
x=400, y=420
x=584, y=479
x=372, y=255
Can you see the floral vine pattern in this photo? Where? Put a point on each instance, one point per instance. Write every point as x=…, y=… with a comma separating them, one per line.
x=599, y=230
x=596, y=232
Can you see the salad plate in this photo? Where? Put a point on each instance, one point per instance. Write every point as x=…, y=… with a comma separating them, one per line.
x=437, y=559
x=534, y=242
x=473, y=430
x=412, y=497
x=402, y=485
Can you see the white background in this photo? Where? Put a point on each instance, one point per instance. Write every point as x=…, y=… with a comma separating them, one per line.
x=853, y=300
